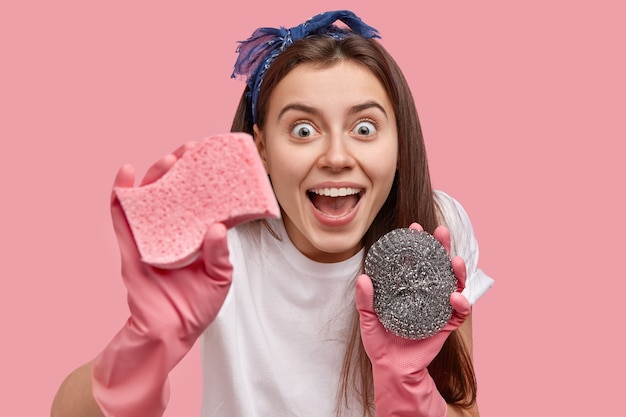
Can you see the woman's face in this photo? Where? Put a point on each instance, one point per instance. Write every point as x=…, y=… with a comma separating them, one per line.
x=330, y=147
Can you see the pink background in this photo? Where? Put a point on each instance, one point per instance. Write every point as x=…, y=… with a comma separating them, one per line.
x=523, y=108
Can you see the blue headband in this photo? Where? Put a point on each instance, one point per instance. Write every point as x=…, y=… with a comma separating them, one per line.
x=259, y=50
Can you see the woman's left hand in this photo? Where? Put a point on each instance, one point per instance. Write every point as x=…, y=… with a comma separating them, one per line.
x=402, y=384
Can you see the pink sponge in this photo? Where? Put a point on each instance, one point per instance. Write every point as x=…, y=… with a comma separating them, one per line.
x=221, y=179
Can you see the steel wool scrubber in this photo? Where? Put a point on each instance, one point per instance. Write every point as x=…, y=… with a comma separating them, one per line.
x=413, y=279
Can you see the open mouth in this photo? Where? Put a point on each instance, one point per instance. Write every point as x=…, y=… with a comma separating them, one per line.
x=335, y=202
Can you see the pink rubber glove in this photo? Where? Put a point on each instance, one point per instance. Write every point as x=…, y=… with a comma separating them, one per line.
x=169, y=309
x=402, y=384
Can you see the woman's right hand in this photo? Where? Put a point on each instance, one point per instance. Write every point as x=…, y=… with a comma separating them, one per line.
x=181, y=301
x=169, y=309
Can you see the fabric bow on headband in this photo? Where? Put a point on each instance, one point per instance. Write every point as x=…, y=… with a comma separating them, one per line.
x=257, y=52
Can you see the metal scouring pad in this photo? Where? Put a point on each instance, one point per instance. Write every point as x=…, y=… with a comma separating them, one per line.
x=413, y=280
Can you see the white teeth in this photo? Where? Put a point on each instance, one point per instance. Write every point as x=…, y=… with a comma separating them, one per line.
x=335, y=192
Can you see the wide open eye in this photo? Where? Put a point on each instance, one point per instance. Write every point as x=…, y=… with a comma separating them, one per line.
x=364, y=128
x=303, y=130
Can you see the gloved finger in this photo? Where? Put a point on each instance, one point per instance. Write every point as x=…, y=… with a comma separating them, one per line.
x=159, y=168
x=178, y=152
x=125, y=178
x=442, y=234
x=373, y=334
x=365, y=304
x=416, y=226
x=460, y=303
x=462, y=309
x=370, y=325
x=460, y=271
x=364, y=294
x=215, y=254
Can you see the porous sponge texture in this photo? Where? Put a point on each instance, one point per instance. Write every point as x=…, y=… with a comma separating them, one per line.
x=221, y=179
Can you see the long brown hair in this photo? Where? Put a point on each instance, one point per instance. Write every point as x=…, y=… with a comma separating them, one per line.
x=410, y=200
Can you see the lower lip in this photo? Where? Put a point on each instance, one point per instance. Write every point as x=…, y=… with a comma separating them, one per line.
x=330, y=221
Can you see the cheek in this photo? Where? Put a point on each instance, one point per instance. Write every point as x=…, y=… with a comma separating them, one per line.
x=383, y=180
x=382, y=166
x=382, y=174
x=286, y=171
x=282, y=163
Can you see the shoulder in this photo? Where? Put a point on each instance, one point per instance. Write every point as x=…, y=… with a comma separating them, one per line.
x=452, y=215
x=464, y=243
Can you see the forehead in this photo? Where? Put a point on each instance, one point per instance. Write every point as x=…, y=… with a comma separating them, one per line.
x=343, y=83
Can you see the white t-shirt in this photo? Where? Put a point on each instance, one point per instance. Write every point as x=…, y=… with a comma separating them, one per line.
x=277, y=345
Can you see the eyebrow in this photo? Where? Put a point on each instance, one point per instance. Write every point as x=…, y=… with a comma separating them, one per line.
x=367, y=105
x=298, y=107
x=315, y=112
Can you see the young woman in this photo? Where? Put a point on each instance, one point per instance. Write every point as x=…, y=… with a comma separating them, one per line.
x=284, y=310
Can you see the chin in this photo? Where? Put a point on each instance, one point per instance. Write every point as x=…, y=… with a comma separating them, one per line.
x=336, y=249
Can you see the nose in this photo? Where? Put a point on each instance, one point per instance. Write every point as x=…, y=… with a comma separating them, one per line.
x=336, y=155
